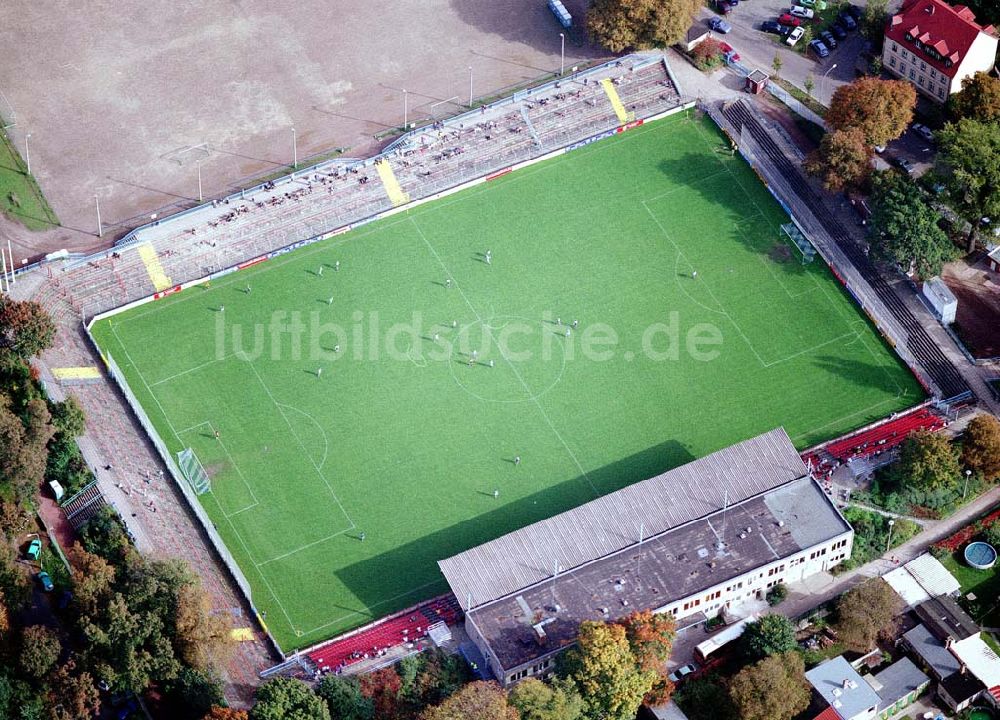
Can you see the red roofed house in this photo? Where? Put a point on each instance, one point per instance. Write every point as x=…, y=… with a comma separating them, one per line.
x=935, y=46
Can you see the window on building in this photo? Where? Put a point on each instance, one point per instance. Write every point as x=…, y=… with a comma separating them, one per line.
x=912, y=74
x=892, y=62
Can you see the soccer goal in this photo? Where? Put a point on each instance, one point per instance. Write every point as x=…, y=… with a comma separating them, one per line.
x=193, y=471
x=800, y=241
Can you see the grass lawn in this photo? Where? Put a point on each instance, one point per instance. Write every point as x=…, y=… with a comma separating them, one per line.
x=985, y=584
x=20, y=197
x=340, y=478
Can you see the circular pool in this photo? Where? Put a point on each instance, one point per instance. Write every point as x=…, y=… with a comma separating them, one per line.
x=980, y=555
x=979, y=714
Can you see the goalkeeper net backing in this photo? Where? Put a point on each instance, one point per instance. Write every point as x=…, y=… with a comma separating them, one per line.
x=193, y=471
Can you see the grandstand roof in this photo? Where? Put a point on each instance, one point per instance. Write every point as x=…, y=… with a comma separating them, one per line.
x=612, y=523
x=677, y=564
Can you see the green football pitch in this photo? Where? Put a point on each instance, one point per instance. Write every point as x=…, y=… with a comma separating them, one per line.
x=353, y=439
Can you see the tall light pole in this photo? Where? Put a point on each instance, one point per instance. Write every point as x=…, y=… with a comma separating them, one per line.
x=100, y=228
x=968, y=474
x=406, y=110
x=470, y=86
x=562, y=53
x=823, y=78
x=888, y=540
x=201, y=198
x=27, y=152
x=295, y=150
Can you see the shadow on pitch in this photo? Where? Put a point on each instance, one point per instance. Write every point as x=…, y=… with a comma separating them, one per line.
x=414, y=563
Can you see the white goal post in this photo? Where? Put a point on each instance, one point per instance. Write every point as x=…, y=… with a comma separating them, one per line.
x=193, y=471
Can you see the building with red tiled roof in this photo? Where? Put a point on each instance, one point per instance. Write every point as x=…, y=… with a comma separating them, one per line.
x=935, y=46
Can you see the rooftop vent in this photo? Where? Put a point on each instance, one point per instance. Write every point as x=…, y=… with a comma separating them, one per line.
x=837, y=692
x=702, y=553
x=743, y=536
x=781, y=523
x=720, y=545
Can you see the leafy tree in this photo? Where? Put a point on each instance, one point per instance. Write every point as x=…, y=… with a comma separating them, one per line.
x=18, y=701
x=343, y=697
x=992, y=535
x=880, y=108
x=480, y=700
x=40, y=649
x=773, y=689
x=651, y=636
x=842, y=160
x=705, y=698
x=225, y=713
x=809, y=84
x=904, y=226
x=288, y=699
x=777, y=594
x=979, y=98
x=382, y=687
x=707, y=54
x=104, y=535
x=72, y=695
x=202, y=638
x=68, y=417
x=928, y=462
x=92, y=577
x=22, y=447
x=981, y=446
x=969, y=160
x=536, y=700
x=769, y=635
x=777, y=64
x=866, y=613
x=25, y=329
x=193, y=693
x=873, y=20
x=622, y=24
x=606, y=672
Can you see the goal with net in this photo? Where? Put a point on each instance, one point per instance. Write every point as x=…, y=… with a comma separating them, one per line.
x=193, y=471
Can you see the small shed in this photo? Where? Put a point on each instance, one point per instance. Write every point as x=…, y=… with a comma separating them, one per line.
x=993, y=258
x=756, y=82
x=941, y=299
x=697, y=33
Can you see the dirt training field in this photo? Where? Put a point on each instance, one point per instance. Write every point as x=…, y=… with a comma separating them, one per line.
x=124, y=102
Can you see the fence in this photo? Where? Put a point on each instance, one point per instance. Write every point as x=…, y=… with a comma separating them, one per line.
x=811, y=227
x=220, y=547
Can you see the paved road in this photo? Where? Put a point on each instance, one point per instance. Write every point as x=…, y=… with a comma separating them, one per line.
x=758, y=49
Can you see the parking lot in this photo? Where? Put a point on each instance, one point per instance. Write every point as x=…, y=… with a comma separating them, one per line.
x=758, y=48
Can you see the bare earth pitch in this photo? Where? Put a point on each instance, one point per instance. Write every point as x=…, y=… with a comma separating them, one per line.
x=125, y=103
x=638, y=309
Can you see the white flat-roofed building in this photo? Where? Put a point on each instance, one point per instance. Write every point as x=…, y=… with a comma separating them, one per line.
x=711, y=534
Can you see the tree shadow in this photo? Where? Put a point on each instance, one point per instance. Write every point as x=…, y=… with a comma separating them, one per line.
x=528, y=23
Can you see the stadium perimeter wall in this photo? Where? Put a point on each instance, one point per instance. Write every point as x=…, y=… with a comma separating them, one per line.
x=806, y=224
x=115, y=373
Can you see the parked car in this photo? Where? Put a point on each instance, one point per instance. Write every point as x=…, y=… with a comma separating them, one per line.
x=827, y=37
x=854, y=11
x=802, y=12
x=719, y=25
x=791, y=20
x=681, y=672
x=849, y=23
x=45, y=581
x=729, y=52
x=905, y=165
x=794, y=36
x=819, y=48
x=725, y=8
x=34, y=549
x=924, y=132
x=771, y=26
x=839, y=31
